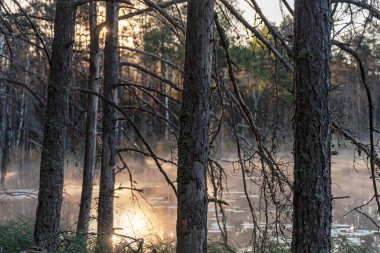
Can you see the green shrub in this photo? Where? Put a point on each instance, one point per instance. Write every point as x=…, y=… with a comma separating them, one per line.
x=159, y=247
x=220, y=247
x=16, y=236
x=343, y=245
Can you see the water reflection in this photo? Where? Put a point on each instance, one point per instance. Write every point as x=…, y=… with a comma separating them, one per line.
x=152, y=214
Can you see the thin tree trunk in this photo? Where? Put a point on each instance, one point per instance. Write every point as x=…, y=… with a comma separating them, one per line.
x=23, y=107
x=2, y=98
x=3, y=121
x=7, y=124
x=312, y=202
x=23, y=114
x=26, y=144
x=53, y=151
x=92, y=110
x=5, y=150
x=193, y=145
x=166, y=102
x=108, y=165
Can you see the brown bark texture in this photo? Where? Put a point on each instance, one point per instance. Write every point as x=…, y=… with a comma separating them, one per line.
x=312, y=202
x=109, y=152
x=91, y=126
x=53, y=151
x=193, y=145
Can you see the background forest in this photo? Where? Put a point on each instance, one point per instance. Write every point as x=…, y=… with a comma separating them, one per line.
x=118, y=101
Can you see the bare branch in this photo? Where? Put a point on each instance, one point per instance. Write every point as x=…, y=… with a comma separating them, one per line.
x=362, y=4
x=134, y=65
x=373, y=155
x=143, y=11
x=10, y=81
x=287, y=65
x=271, y=28
x=82, y=2
x=157, y=57
x=165, y=15
x=135, y=128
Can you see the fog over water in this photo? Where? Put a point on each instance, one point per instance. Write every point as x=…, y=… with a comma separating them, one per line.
x=152, y=214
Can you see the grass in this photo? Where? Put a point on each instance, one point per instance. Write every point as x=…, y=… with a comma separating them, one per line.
x=17, y=236
x=216, y=247
x=343, y=245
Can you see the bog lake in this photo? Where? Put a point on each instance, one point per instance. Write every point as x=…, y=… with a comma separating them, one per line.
x=152, y=214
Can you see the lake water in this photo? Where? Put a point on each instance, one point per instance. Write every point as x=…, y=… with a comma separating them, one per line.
x=152, y=214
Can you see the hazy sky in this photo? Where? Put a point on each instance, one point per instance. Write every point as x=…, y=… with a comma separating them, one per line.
x=270, y=8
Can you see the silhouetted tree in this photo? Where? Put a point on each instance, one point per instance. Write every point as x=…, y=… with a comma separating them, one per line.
x=109, y=152
x=91, y=126
x=193, y=147
x=53, y=150
x=312, y=203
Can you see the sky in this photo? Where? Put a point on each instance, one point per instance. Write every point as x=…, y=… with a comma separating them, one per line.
x=270, y=8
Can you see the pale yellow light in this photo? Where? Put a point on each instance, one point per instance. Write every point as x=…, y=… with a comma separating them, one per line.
x=136, y=223
x=115, y=239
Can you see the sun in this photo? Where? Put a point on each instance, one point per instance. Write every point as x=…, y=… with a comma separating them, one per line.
x=136, y=224
x=115, y=239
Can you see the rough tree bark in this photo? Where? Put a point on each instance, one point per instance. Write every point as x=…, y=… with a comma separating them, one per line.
x=5, y=145
x=4, y=123
x=108, y=165
x=92, y=110
x=2, y=110
x=312, y=202
x=52, y=158
x=193, y=145
x=22, y=125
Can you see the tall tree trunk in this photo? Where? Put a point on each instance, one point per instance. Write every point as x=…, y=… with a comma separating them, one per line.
x=92, y=110
x=166, y=91
x=193, y=145
x=10, y=129
x=23, y=116
x=2, y=103
x=5, y=147
x=53, y=151
x=4, y=135
x=108, y=165
x=26, y=143
x=312, y=128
